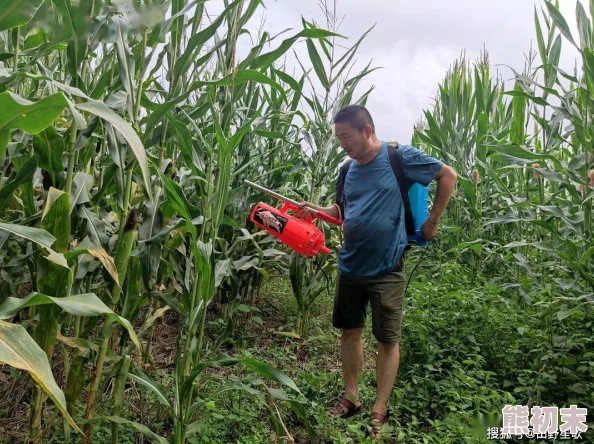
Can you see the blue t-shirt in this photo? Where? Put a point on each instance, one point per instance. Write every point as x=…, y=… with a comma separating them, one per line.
x=373, y=227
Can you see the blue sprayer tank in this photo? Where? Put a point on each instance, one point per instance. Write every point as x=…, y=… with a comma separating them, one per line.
x=418, y=195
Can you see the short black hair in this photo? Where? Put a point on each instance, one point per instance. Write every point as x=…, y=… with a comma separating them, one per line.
x=356, y=115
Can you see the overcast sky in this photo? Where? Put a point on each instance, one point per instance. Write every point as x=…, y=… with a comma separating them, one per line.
x=415, y=41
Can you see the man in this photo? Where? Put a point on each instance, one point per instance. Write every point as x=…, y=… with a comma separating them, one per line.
x=371, y=263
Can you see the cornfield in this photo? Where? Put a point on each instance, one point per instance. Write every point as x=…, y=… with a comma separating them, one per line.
x=126, y=131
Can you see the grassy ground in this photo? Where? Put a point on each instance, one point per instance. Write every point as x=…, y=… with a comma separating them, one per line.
x=466, y=352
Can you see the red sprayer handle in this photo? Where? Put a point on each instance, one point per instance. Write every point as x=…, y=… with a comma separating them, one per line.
x=327, y=218
x=317, y=214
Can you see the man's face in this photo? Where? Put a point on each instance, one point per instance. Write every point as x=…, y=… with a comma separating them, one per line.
x=353, y=141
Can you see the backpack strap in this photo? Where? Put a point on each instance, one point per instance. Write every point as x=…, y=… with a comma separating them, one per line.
x=402, y=184
x=339, y=198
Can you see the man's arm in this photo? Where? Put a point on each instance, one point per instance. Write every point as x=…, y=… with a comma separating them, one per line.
x=446, y=181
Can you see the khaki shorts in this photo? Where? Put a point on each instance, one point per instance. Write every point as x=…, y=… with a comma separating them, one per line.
x=385, y=295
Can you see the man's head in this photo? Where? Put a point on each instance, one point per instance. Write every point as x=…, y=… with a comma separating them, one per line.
x=355, y=129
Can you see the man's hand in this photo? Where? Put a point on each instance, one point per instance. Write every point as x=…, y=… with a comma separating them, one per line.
x=429, y=230
x=305, y=213
x=446, y=181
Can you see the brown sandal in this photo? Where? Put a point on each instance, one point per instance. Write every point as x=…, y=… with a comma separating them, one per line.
x=338, y=411
x=377, y=422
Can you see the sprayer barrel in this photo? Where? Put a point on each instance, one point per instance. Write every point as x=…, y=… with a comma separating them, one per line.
x=302, y=236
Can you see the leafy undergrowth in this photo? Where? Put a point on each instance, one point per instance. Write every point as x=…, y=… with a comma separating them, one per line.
x=466, y=353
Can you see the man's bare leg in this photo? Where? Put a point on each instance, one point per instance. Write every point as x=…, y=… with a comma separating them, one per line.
x=352, y=358
x=386, y=371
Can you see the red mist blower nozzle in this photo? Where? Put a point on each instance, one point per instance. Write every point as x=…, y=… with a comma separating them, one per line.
x=299, y=234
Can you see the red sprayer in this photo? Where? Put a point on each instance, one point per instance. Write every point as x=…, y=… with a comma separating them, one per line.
x=299, y=234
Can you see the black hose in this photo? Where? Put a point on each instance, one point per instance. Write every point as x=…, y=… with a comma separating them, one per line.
x=413, y=270
x=317, y=262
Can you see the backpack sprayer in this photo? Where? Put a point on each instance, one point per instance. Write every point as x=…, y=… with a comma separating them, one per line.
x=299, y=234
x=418, y=197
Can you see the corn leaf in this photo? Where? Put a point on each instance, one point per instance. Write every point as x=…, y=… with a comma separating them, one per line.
x=237, y=385
x=79, y=344
x=150, y=321
x=538, y=100
x=24, y=176
x=88, y=305
x=125, y=61
x=19, y=350
x=520, y=152
x=197, y=41
x=16, y=13
x=317, y=63
x=81, y=189
x=265, y=60
x=177, y=199
x=220, y=361
x=99, y=253
x=152, y=223
x=560, y=22
x=239, y=78
x=75, y=27
x=31, y=117
x=56, y=218
x=551, y=68
x=100, y=109
x=539, y=37
x=551, y=175
x=140, y=377
x=587, y=255
x=37, y=235
x=75, y=382
x=269, y=372
x=95, y=226
x=584, y=26
x=49, y=148
x=469, y=190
